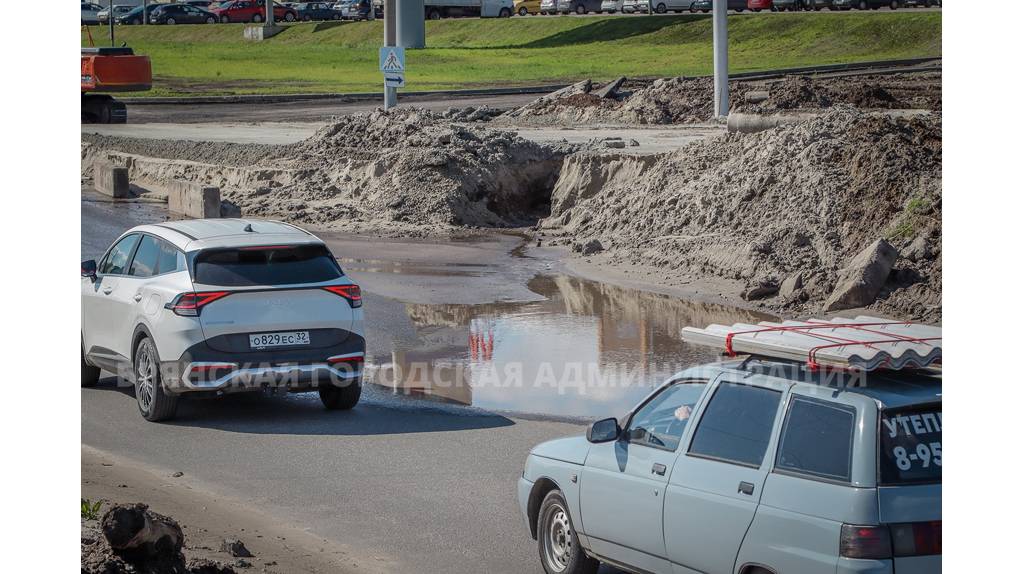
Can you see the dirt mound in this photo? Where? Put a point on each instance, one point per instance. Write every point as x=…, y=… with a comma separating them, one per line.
x=795, y=202
x=406, y=170
x=131, y=539
x=690, y=100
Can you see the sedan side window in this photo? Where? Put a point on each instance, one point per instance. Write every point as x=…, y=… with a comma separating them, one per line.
x=144, y=263
x=737, y=424
x=116, y=261
x=817, y=439
x=660, y=423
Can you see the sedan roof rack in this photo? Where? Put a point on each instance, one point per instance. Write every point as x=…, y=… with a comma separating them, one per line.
x=863, y=343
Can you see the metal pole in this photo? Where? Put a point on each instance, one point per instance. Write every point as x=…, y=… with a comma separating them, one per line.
x=390, y=19
x=110, y=21
x=721, y=49
x=411, y=26
x=145, y=12
x=269, y=19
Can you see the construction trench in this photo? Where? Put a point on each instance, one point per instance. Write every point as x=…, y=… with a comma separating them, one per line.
x=826, y=195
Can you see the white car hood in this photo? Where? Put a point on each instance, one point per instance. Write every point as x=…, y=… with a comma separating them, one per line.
x=571, y=449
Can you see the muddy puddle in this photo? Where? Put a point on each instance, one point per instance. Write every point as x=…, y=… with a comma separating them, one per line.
x=588, y=350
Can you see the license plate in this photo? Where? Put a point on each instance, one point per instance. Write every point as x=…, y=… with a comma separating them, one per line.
x=263, y=340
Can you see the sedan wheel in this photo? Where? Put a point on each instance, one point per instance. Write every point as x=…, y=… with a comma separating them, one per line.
x=523, y=11
x=661, y=9
x=560, y=550
x=224, y=20
x=211, y=20
x=289, y=17
x=256, y=18
x=581, y=9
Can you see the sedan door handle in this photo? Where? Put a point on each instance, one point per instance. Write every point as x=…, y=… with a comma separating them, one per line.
x=746, y=488
x=659, y=469
x=138, y=297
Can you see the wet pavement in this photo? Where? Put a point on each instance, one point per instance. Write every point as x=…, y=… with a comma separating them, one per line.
x=552, y=344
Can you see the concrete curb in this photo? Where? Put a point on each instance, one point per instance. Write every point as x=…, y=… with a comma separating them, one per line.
x=369, y=96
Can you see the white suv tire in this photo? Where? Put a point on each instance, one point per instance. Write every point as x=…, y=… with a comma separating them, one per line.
x=155, y=403
x=340, y=398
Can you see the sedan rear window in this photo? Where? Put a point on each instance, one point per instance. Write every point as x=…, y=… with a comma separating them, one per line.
x=270, y=265
x=910, y=449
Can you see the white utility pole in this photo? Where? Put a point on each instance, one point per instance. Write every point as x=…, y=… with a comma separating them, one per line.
x=269, y=19
x=145, y=12
x=721, y=48
x=390, y=21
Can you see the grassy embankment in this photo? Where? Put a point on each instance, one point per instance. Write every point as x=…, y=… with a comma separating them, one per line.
x=342, y=57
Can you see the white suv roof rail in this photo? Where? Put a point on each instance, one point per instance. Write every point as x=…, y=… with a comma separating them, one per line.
x=863, y=343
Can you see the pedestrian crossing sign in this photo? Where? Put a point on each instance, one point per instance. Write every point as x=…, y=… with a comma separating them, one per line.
x=392, y=60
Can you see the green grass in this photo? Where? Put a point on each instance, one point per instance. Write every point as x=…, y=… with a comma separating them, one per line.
x=342, y=57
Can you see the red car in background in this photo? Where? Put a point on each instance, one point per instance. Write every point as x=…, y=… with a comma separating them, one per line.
x=251, y=11
x=758, y=5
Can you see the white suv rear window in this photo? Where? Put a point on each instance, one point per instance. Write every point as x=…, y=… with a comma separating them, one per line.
x=270, y=265
x=910, y=449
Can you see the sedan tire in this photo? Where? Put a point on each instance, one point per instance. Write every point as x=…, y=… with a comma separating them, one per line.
x=337, y=398
x=170, y=21
x=155, y=403
x=211, y=20
x=560, y=550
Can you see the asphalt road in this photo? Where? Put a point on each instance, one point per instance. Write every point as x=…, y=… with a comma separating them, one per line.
x=430, y=487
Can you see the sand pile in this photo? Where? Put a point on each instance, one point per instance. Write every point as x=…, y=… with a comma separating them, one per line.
x=690, y=100
x=794, y=203
x=406, y=170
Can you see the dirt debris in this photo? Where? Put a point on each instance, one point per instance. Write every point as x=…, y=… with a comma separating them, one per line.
x=760, y=208
x=132, y=539
x=405, y=171
x=689, y=100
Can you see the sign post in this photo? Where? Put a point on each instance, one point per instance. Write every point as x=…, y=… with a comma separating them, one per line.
x=390, y=19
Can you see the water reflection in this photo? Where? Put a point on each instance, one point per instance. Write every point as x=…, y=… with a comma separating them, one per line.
x=590, y=349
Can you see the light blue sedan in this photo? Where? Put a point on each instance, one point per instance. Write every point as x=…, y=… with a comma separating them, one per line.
x=750, y=467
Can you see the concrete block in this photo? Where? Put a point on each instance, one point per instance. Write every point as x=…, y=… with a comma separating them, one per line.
x=110, y=179
x=193, y=199
x=260, y=33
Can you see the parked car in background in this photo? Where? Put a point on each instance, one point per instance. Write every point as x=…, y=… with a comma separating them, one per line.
x=358, y=9
x=524, y=7
x=753, y=467
x=579, y=6
x=611, y=6
x=791, y=5
x=90, y=13
x=867, y=4
x=636, y=6
x=307, y=11
x=758, y=5
x=135, y=16
x=173, y=14
x=663, y=6
x=212, y=306
x=104, y=15
x=548, y=7
x=706, y=6
x=251, y=11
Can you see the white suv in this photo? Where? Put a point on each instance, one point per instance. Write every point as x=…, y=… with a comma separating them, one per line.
x=218, y=306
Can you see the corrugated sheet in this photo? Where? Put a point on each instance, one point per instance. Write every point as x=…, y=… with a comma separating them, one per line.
x=865, y=342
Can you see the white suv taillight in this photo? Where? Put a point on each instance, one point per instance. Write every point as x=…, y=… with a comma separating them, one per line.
x=868, y=542
x=350, y=293
x=191, y=304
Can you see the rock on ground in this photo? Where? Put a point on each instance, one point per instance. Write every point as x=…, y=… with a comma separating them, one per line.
x=861, y=280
